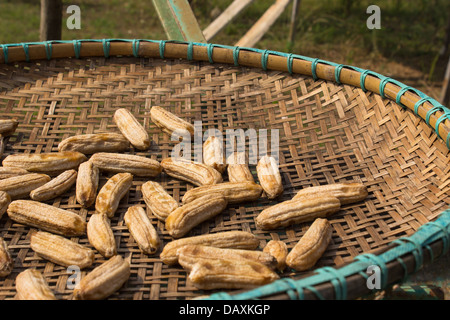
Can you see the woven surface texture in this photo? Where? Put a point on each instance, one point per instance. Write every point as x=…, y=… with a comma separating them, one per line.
x=328, y=133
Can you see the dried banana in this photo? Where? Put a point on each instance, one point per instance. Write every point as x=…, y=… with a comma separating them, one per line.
x=95, y=142
x=197, y=173
x=233, y=192
x=5, y=200
x=230, y=274
x=87, y=184
x=169, y=122
x=21, y=186
x=291, y=212
x=213, y=154
x=8, y=172
x=158, y=200
x=183, y=219
x=131, y=129
x=60, y=250
x=55, y=187
x=188, y=255
x=347, y=192
x=117, y=162
x=100, y=235
x=142, y=230
x=31, y=285
x=8, y=126
x=104, y=280
x=46, y=217
x=112, y=192
x=278, y=249
x=226, y=239
x=6, y=261
x=238, y=169
x=52, y=163
x=269, y=177
x=310, y=248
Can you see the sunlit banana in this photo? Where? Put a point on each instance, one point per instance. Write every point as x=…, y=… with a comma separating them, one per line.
x=61, y=250
x=87, y=184
x=104, y=280
x=168, y=122
x=31, y=285
x=95, y=142
x=269, y=177
x=109, y=196
x=46, y=217
x=197, y=173
x=158, y=200
x=119, y=162
x=290, y=212
x=308, y=250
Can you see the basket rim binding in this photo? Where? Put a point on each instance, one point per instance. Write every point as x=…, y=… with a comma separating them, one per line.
x=401, y=258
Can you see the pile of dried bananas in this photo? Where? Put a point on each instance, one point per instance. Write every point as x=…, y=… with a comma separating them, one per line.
x=223, y=260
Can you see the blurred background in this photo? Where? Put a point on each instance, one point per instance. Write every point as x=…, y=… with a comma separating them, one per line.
x=412, y=45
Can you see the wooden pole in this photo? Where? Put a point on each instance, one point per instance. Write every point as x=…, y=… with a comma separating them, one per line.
x=51, y=20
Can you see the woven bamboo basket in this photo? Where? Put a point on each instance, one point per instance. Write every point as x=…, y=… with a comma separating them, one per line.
x=336, y=123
